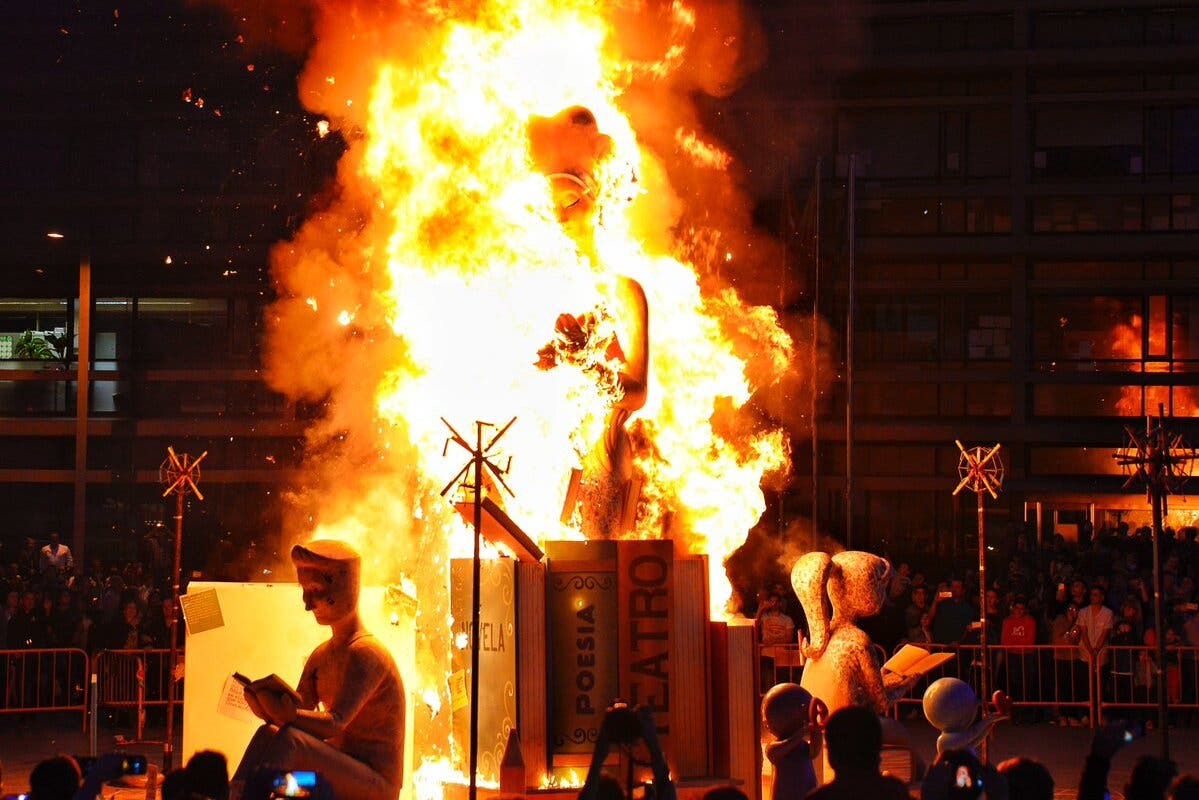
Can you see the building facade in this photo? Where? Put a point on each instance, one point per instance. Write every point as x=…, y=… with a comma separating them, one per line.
x=1027, y=262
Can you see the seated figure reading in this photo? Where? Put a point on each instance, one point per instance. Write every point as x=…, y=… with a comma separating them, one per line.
x=345, y=720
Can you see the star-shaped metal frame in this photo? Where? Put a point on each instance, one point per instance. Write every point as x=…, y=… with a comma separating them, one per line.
x=180, y=473
x=484, y=456
x=981, y=470
x=1158, y=457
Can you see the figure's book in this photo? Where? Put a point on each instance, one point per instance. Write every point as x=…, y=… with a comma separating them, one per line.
x=911, y=661
x=272, y=683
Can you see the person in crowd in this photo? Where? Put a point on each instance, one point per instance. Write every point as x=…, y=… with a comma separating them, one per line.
x=901, y=581
x=1095, y=624
x=55, y=562
x=1185, y=788
x=1070, y=677
x=29, y=559
x=27, y=629
x=1027, y=779
x=951, y=614
x=207, y=775
x=1127, y=633
x=1019, y=637
x=916, y=610
x=129, y=632
x=854, y=738
x=775, y=626
x=1150, y=779
x=959, y=775
x=56, y=778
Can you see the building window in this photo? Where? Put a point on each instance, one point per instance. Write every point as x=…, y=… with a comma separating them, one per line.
x=1088, y=330
x=1088, y=141
x=898, y=329
x=1074, y=29
x=1087, y=214
x=181, y=331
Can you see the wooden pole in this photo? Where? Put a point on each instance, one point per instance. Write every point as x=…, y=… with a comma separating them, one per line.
x=984, y=683
x=476, y=571
x=1158, y=616
x=168, y=747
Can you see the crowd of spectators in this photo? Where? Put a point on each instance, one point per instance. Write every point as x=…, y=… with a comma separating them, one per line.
x=51, y=601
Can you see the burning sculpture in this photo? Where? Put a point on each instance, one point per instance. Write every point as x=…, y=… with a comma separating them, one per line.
x=346, y=718
x=445, y=263
x=568, y=148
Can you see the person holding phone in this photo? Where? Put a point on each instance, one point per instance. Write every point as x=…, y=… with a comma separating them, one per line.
x=951, y=614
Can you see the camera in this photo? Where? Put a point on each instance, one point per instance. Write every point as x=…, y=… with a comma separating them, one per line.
x=622, y=724
x=965, y=775
x=294, y=784
x=130, y=764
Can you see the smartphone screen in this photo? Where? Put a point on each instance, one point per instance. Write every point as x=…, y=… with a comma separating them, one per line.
x=294, y=784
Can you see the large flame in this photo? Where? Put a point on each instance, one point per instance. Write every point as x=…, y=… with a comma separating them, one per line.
x=429, y=286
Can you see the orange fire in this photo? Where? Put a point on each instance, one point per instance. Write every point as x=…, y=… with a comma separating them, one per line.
x=1126, y=343
x=427, y=288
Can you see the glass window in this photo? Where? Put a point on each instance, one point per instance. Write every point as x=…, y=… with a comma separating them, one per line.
x=1088, y=140
x=988, y=328
x=182, y=330
x=988, y=399
x=990, y=139
x=889, y=400
x=899, y=216
x=33, y=329
x=897, y=329
x=1073, y=461
x=988, y=215
x=892, y=143
x=1088, y=329
x=1088, y=270
x=1087, y=29
x=1086, y=400
x=1185, y=140
x=1087, y=214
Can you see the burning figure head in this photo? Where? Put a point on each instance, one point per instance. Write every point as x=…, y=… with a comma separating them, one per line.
x=567, y=148
x=328, y=573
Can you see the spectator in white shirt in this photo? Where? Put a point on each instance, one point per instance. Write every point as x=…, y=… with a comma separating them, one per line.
x=1095, y=623
x=56, y=560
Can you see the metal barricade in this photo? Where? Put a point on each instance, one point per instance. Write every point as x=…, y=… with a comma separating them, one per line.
x=44, y=679
x=1129, y=681
x=780, y=663
x=1038, y=676
x=135, y=678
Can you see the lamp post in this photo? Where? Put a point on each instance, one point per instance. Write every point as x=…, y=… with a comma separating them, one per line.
x=180, y=474
x=981, y=471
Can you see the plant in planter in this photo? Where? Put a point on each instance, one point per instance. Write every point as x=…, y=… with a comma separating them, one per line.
x=61, y=346
x=33, y=347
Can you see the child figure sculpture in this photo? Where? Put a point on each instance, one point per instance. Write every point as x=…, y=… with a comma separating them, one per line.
x=795, y=718
x=951, y=706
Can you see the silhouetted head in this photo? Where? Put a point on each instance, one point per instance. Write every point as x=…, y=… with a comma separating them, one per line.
x=1150, y=778
x=1027, y=779
x=854, y=739
x=55, y=778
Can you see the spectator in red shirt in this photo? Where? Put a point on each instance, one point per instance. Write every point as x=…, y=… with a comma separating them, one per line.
x=1023, y=667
